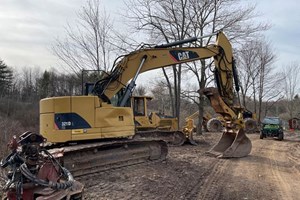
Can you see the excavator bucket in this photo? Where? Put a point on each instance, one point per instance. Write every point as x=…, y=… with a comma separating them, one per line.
x=232, y=145
x=189, y=138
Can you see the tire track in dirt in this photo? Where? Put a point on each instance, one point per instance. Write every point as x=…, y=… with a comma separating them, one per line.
x=120, y=181
x=164, y=180
x=283, y=168
x=207, y=186
x=281, y=184
x=294, y=157
x=270, y=172
x=276, y=172
x=261, y=175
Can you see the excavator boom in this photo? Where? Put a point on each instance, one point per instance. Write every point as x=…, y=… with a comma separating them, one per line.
x=144, y=60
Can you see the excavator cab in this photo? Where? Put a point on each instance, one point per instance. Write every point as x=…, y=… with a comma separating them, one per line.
x=139, y=105
x=141, y=119
x=151, y=120
x=164, y=124
x=88, y=88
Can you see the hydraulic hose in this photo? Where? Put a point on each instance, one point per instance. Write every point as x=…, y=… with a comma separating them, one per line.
x=58, y=186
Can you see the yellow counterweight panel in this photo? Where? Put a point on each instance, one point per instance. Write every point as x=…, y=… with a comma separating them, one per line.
x=85, y=107
x=47, y=129
x=48, y=107
x=115, y=121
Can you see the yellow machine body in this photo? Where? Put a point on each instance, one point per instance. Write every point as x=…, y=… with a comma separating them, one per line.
x=74, y=118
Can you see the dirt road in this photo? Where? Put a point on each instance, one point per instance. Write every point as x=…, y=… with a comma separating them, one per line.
x=272, y=171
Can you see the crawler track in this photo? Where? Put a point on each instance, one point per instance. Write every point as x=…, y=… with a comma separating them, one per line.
x=175, y=138
x=87, y=159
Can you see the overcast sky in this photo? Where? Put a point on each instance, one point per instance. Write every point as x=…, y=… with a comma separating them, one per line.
x=29, y=27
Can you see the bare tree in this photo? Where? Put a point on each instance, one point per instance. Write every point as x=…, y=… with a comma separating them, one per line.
x=161, y=97
x=229, y=16
x=248, y=68
x=140, y=91
x=28, y=84
x=170, y=20
x=266, y=80
x=87, y=45
x=291, y=87
x=153, y=17
x=6, y=79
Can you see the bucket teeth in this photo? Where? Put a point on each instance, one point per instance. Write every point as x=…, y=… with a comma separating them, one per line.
x=232, y=145
x=188, y=131
x=190, y=139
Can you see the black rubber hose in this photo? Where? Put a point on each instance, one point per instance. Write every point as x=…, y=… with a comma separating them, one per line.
x=58, y=186
x=235, y=77
x=11, y=159
x=6, y=161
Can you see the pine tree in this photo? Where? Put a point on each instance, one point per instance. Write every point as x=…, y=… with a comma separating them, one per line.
x=44, y=85
x=6, y=78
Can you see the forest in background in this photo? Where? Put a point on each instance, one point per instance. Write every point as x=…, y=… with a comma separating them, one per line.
x=21, y=93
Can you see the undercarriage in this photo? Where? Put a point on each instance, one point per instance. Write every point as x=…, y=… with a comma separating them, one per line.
x=82, y=159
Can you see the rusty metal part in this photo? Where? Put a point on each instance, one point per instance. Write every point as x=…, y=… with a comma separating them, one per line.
x=75, y=192
x=35, y=174
x=46, y=193
x=175, y=138
x=232, y=144
x=101, y=156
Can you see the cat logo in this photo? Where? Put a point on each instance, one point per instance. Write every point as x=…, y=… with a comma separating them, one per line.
x=183, y=55
x=68, y=123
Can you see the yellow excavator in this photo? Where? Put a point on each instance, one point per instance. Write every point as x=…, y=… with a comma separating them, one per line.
x=147, y=120
x=156, y=124
x=101, y=127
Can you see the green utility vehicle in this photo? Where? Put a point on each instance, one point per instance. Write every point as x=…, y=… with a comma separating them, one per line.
x=272, y=127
